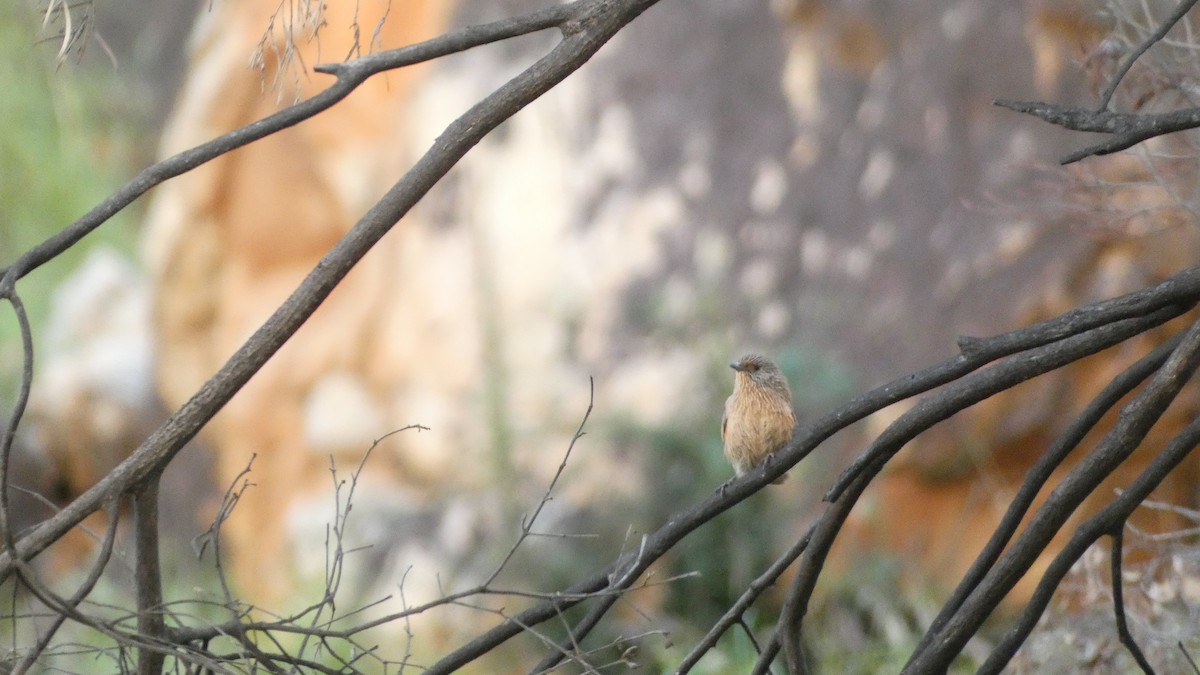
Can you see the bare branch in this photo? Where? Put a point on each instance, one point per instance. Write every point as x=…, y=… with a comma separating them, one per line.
x=1186, y=655
x=85, y=588
x=1133, y=422
x=1165, y=27
x=148, y=573
x=1116, y=555
x=1125, y=129
x=320, y=625
x=984, y=384
x=8, y=291
x=1087, y=533
x=982, y=368
x=1037, y=476
x=527, y=523
x=736, y=613
x=587, y=26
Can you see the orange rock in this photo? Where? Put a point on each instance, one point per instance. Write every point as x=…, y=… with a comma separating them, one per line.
x=228, y=242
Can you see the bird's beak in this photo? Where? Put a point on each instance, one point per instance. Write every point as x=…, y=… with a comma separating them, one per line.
x=736, y=365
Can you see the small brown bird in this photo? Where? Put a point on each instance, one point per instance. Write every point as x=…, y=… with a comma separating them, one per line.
x=758, y=417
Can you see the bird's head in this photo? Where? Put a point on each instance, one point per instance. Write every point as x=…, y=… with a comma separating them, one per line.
x=759, y=370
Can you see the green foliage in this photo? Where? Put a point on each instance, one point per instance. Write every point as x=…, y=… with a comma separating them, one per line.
x=683, y=462
x=64, y=147
x=818, y=382
x=862, y=624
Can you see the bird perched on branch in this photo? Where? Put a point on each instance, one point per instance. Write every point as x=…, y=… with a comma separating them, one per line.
x=758, y=417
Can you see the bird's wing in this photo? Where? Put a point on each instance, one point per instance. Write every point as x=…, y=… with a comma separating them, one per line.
x=724, y=421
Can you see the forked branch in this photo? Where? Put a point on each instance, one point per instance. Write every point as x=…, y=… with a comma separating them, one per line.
x=586, y=25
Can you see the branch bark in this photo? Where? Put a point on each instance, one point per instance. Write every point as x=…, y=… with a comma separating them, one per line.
x=1125, y=130
x=1132, y=425
x=148, y=574
x=586, y=25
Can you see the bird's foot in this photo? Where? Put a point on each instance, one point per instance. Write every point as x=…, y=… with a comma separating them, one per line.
x=725, y=486
x=767, y=461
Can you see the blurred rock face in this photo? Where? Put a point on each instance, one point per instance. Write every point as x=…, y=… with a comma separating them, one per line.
x=227, y=243
x=98, y=371
x=93, y=400
x=721, y=176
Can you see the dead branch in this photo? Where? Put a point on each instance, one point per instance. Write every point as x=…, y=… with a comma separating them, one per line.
x=1125, y=130
x=586, y=25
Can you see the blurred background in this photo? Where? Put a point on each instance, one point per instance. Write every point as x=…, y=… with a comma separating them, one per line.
x=824, y=182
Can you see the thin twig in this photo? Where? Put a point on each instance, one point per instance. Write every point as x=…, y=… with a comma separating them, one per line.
x=89, y=583
x=527, y=523
x=1188, y=657
x=734, y=614
x=588, y=24
x=8, y=291
x=1163, y=28
x=1118, y=595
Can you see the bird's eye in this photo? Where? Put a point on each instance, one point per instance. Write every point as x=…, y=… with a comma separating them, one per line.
x=752, y=367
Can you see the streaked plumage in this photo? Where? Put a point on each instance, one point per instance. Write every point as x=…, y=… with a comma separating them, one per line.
x=758, y=418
